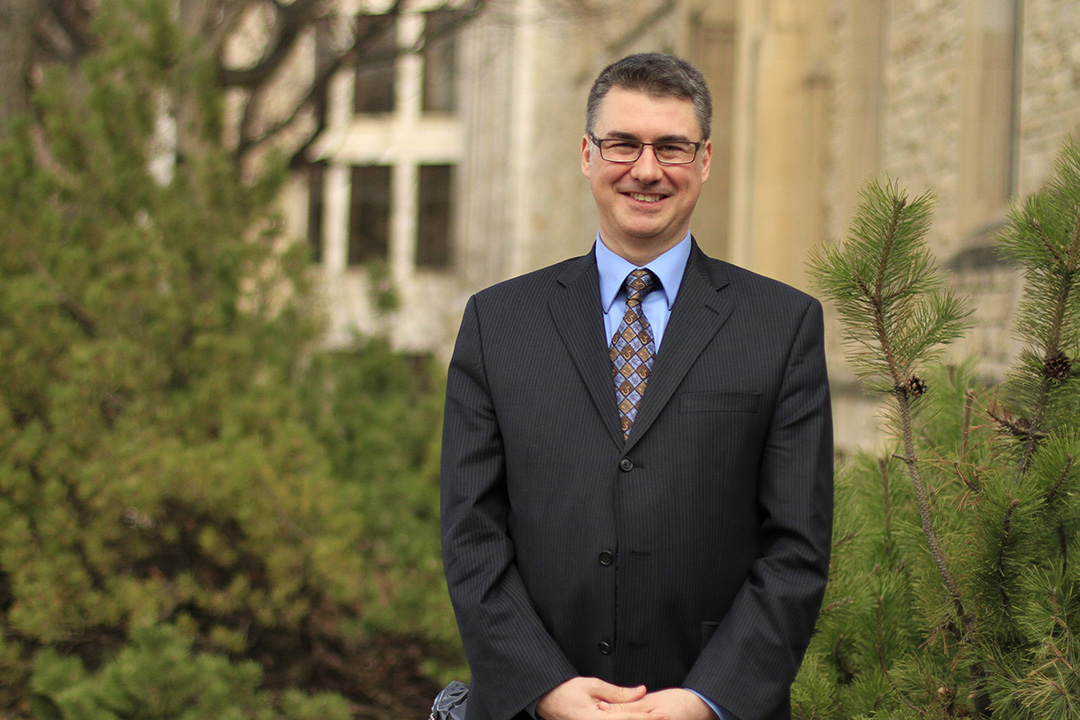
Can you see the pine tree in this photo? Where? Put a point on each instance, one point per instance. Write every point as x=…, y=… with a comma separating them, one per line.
x=952, y=594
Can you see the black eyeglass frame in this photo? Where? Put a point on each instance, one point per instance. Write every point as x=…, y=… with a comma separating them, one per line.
x=598, y=142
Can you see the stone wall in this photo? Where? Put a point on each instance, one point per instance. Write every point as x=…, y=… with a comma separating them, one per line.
x=924, y=87
x=1049, y=107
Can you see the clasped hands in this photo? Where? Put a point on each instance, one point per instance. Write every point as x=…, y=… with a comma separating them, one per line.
x=584, y=698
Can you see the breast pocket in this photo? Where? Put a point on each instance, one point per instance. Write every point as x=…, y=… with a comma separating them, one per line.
x=719, y=402
x=708, y=629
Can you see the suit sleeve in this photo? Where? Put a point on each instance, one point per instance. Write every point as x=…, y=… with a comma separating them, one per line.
x=513, y=658
x=750, y=662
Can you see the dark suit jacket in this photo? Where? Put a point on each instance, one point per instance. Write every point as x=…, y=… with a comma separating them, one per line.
x=692, y=555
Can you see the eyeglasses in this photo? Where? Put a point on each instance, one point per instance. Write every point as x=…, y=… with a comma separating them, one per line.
x=668, y=152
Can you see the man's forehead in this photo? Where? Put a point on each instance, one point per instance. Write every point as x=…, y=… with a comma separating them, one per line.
x=627, y=112
x=618, y=92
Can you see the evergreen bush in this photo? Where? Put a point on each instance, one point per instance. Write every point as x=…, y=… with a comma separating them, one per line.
x=172, y=505
x=954, y=588
x=159, y=676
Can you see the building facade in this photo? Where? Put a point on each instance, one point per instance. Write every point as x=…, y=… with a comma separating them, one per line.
x=451, y=168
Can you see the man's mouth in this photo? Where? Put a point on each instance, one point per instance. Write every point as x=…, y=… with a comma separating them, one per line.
x=642, y=197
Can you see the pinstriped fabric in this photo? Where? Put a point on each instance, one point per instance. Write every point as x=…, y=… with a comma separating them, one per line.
x=698, y=313
x=715, y=508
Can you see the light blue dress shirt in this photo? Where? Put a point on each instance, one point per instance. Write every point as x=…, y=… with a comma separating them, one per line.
x=668, y=269
x=613, y=269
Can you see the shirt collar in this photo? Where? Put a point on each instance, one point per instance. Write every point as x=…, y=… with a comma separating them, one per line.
x=613, y=269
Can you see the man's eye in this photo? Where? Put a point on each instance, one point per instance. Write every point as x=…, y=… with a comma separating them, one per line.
x=628, y=145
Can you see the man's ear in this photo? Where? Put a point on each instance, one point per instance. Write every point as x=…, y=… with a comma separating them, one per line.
x=706, y=160
x=586, y=154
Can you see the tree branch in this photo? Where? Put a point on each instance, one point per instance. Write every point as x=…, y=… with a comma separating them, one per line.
x=289, y=21
x=248, y=140
x=18, y=20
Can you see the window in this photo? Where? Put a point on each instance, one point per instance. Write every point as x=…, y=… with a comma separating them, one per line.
x=324, y=54
x=367, y=201
x=316, y=183
x=374, y=89
x=369, y=214
x=440, y=60
x=433, y=221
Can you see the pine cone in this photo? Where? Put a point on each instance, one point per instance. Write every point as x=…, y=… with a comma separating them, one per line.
x=1058, y=366
x=915, y=386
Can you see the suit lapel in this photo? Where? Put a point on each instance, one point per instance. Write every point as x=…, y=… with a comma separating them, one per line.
x=696, y=316
x=579, y=320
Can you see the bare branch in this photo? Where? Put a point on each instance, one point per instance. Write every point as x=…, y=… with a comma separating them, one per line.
x=18, y=18
x=289, y=22
x=358, y=51
x=76, y=18
x=231, y=12
x=248, y=140
x=316, y=90
x=64, y=33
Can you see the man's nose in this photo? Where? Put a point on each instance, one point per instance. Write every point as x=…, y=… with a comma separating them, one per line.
x=647, y=168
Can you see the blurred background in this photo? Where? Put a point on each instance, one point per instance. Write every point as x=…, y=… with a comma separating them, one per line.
x=236, y=238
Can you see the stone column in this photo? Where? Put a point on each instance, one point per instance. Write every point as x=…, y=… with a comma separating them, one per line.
x=781, y=136
x=987, y=114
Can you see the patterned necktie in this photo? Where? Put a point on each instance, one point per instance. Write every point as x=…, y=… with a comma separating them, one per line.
x=632, y=349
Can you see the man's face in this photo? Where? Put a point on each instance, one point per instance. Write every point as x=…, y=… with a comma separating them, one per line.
x=644, y=206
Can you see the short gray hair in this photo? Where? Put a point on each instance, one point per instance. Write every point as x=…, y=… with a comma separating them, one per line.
x=656, y=74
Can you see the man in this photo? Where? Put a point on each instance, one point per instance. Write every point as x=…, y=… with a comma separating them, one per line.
x=637, y=476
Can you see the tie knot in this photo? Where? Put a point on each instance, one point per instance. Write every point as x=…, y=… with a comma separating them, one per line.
x=638, y=284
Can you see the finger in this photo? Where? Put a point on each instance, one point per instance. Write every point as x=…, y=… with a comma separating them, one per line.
x=617, y=694
x=629, y=711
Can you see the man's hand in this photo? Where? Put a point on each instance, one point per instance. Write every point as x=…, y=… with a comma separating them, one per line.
x=584, y=698
x=671, y=704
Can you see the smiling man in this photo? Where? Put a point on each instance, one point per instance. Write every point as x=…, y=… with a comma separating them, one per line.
x=645, y=201
x=637, y=451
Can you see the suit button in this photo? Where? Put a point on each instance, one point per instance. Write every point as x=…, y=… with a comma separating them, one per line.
x=606, y=558
x=626, y=465
x=605, y=647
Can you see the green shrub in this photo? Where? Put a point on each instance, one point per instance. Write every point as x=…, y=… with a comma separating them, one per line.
x=161, y=462
x=954, y=589
x=159, y=677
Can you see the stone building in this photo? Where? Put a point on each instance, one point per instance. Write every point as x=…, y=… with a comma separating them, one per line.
x=457, y=167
